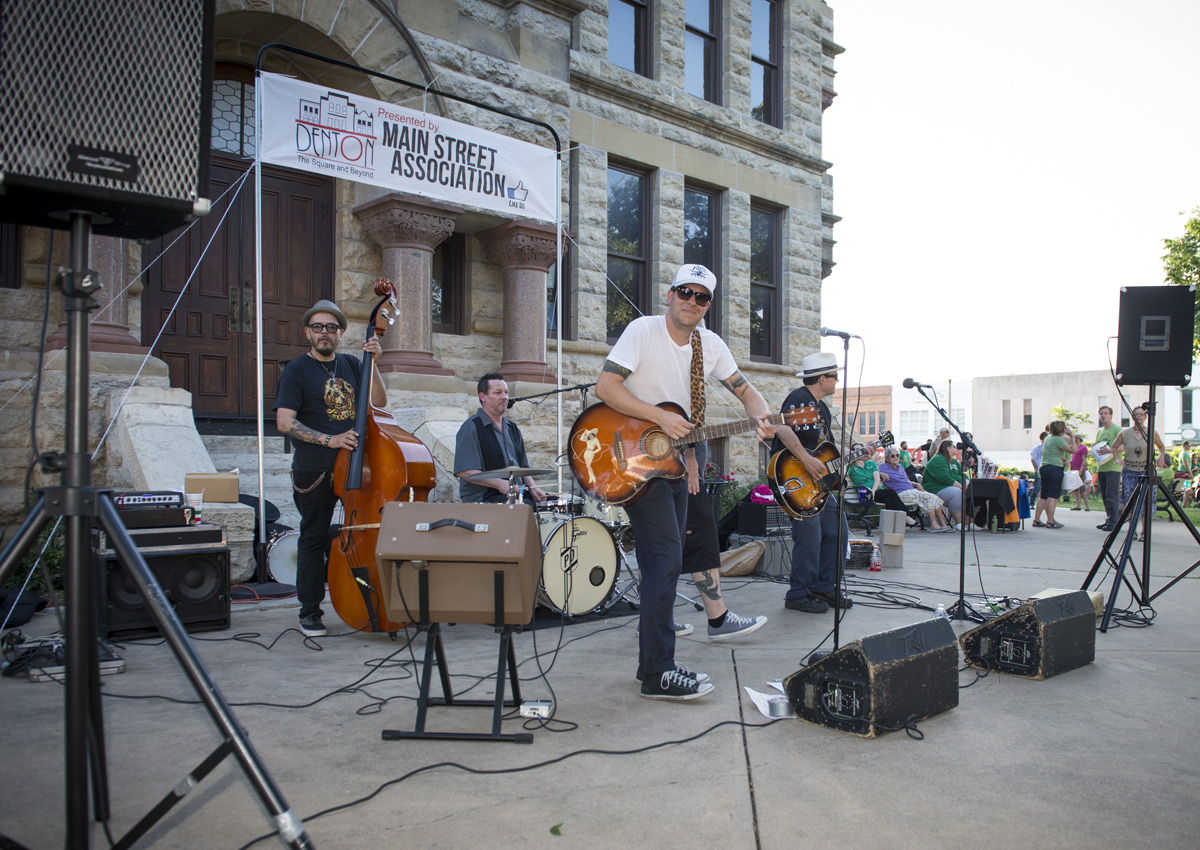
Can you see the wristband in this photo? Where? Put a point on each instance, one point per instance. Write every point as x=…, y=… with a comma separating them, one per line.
x=327, y=436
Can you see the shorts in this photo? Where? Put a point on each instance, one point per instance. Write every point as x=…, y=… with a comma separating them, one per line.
x=1052, y=482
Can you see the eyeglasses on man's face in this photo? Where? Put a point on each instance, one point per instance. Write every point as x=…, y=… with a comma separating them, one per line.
x=328, y=327
x=686, y=293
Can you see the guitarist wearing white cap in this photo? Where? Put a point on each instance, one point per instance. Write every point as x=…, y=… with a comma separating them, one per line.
x=815, y=539
x=666, y=359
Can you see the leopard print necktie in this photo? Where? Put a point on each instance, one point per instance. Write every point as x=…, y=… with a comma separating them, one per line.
x=698, y=400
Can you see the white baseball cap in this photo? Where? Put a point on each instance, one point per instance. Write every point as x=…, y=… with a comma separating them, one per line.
x=695, y=273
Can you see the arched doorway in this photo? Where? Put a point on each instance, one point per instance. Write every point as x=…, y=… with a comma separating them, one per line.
x=206, y=335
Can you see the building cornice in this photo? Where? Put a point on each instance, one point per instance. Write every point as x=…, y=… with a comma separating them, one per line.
x=610, y=91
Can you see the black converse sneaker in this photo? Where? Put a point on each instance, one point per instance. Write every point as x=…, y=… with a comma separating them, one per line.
x=674, y=685
x=312, y=626
x=681, y=670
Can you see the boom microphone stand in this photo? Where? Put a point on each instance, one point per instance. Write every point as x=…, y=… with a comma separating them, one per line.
x=958, y=611
x=82, y=505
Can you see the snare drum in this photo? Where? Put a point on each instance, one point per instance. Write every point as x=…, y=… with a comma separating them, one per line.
x=566, y=504
x=281, y=557
x=613, y=516
x=579, y=564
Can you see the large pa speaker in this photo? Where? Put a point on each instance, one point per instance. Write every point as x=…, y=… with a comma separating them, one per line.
x=881, y=682
x=106, y=108
x=194, y=580
x=1037, y=640
x=1154, y=335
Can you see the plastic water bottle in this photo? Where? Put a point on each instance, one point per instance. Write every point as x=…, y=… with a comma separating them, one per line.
x=876, y=560
x=940, y=613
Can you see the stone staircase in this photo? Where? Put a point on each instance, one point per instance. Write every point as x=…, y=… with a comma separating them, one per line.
x=241, y=453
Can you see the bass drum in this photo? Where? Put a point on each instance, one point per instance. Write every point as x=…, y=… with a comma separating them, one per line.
x=579, y=565
x=281, y=557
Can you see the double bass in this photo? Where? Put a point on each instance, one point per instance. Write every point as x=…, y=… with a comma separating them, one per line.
x=389, y=464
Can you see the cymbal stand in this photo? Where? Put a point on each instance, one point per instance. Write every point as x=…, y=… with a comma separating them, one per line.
x=83, y=505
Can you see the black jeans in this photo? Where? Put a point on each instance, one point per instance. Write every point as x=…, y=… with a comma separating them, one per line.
x=316, y=507
x=1110, y=487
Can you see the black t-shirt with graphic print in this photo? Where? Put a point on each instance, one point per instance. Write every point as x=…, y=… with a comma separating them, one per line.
x=323, y=401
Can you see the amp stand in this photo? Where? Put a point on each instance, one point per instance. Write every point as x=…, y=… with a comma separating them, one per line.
x=506, y=666
x=82, y=505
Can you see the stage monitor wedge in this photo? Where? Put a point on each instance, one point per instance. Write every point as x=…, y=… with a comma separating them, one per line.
x=107, y=109
x=1037, y=640
x=1155, y=334
x=880, y=682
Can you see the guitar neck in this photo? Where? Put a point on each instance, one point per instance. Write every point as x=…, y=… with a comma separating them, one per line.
x=724, y=429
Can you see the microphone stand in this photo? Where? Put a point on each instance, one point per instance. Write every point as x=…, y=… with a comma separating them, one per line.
x=839, y=611
x=958, y=611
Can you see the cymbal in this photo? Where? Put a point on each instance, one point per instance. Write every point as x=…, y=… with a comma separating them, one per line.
x=510, y=472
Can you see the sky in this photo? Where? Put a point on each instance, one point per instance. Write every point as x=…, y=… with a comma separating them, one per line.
x=1002, y=170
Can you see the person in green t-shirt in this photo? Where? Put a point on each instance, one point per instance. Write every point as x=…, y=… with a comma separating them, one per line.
x=1055, y=453
x=1183, y=461
x=1108, y=472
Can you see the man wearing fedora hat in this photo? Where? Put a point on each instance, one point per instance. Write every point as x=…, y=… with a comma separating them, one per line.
x=815, y=539
x=315, y=405
x=666, y=359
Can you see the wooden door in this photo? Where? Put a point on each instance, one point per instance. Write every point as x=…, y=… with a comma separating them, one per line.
x=207, y=322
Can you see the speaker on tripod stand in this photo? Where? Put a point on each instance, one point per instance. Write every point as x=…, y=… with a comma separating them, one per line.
x=1155, y=344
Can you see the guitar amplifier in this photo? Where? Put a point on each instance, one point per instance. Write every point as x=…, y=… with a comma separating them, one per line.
x=758, y=519
x=459, y=548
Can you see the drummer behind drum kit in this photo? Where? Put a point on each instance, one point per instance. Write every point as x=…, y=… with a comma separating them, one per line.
x=581, y=560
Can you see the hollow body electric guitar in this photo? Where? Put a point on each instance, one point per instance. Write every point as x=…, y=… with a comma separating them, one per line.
x=795, y=489
x=614, y=456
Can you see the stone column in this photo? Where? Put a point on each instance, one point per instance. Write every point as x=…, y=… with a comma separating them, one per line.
x=408, y=229
x=109, y=326
x=526, y=252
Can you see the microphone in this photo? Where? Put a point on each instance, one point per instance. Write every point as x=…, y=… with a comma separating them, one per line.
x=909, y=383
x=842, y=334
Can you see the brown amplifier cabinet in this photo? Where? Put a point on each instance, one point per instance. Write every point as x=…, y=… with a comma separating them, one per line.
x=460, y=547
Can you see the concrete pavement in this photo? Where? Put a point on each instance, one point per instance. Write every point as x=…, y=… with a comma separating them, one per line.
x=1104, y=756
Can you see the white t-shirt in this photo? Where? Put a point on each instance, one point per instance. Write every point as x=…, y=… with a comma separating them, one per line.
x=660, y=369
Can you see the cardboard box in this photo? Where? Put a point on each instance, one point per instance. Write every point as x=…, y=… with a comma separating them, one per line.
x=216, y=486
x=891, y=522
x=891, y=556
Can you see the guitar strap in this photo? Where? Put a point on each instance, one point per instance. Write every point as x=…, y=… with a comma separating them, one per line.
x=698, y=399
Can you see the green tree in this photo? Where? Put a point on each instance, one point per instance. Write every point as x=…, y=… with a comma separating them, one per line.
x=1182, y=264
x=1072, y=418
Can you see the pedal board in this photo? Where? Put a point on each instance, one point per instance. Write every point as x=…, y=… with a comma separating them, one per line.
x=48, y=661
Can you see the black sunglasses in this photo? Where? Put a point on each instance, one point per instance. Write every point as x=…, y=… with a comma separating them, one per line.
x=687, y=293
x=328, y=327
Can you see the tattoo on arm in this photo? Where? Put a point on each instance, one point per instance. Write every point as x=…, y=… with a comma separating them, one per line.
x=736, y=384
x=303, y=432
x=620, y=371
x=708, y=586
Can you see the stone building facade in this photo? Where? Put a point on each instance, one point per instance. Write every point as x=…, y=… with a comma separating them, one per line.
x=743, y=146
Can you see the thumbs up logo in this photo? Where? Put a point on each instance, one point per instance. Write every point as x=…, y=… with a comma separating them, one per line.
x=518, y=192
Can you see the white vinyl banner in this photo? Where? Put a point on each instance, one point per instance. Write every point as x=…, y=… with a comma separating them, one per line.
x=326, y=131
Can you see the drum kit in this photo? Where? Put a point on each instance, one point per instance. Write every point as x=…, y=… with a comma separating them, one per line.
x=584, y=547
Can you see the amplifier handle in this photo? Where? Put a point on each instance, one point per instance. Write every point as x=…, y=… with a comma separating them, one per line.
x=454, y=521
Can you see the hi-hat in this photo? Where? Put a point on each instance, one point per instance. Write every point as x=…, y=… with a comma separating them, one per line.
x=510, y=472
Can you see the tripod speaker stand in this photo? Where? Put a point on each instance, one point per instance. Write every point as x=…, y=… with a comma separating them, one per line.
x=1139, y=507
x=82, y=505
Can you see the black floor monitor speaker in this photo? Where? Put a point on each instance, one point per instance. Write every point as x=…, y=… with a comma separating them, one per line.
x=1154, y=335
x=194, y=579
x=881, y=682
x=1040, y=639
x=106, y=108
